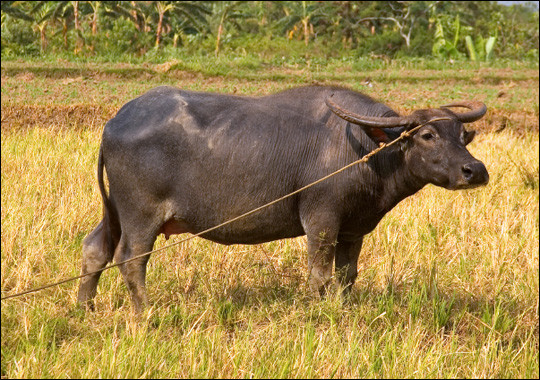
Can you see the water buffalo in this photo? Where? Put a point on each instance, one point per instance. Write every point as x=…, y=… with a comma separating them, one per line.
x=183, y=161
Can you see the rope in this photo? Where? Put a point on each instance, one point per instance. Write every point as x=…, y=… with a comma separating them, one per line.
x=361, y=160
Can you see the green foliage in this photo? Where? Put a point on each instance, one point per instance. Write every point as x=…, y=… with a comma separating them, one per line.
x=482, y=49
x=471, y=49
x=388, y=43
x=444, y=48
x=18, y=38
x=12, y=9
x=341, y=28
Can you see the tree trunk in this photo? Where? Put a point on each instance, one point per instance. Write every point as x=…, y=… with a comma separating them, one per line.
x=76, y=14
x=64, y=34
x=159, y=29
x=43, y=38
x=134, y=14
x=175, y=40
x=95, y=18
x=219, y=33
x=305, y=22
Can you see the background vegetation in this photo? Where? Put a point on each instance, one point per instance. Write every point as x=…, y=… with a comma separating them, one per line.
x=269, y=32
x=448, y=282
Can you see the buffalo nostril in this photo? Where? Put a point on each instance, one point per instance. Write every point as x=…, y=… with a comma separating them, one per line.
x=475, y=173
x=467, y=172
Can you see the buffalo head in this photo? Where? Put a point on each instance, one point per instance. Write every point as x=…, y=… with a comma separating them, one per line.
x=435, y=153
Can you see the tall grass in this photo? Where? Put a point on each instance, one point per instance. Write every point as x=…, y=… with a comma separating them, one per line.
x=447, y=287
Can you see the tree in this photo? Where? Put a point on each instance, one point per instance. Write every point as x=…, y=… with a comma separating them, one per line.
x=190, y=13
x=160, y=16
x=63, y=12
x=303, y=14
x=139, y=13
x=18, y=31
x=343, y=22
x=96, y=5
x=403, y=14
x=11, y=8
x=42, y=13
x=225, y=11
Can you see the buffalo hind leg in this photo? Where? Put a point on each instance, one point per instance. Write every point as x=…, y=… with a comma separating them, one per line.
x=134, y=272
x=95, y=258
x=347, y=263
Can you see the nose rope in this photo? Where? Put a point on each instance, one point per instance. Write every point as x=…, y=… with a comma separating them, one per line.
x=405, y=134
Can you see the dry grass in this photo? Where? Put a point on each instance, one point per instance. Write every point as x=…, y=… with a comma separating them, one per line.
x=448, y=283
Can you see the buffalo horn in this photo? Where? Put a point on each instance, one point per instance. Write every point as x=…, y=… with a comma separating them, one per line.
x=368, y=121
x=477, y=110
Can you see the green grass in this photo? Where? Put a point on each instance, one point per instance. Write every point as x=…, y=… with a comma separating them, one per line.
x=447, y=286
x=510, y=94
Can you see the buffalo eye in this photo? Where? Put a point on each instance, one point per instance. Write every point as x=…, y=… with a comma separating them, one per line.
x=427, y=136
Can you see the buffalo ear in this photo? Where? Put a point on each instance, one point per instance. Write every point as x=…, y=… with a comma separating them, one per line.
x=468, y=136
x=377, y=134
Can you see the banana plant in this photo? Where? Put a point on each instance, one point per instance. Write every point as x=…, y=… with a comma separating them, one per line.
x=444, y=48
x=483, y=48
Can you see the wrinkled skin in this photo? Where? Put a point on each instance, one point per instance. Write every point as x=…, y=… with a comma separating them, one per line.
x=180, y=161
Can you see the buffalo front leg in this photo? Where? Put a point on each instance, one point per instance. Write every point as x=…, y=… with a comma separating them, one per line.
x=134, y=272
x=321, y=250
x=95, y=258
x=347, y=263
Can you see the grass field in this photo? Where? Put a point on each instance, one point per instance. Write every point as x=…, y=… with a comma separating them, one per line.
x=448, y=281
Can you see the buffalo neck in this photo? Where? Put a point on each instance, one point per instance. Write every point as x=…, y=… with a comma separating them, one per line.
x=395, y=179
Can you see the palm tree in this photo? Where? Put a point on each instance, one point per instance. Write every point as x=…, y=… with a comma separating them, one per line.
x=225, y=12
x=136, y=11
x=59, y=11
x=303, y=13
x=95, y=11
x=189, y=13
x=163, y=14
x=42, y=14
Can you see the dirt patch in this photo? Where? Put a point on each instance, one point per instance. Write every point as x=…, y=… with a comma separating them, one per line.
x=55, y=116
x=496, y=121
x=15, y=117
x=25, y=76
